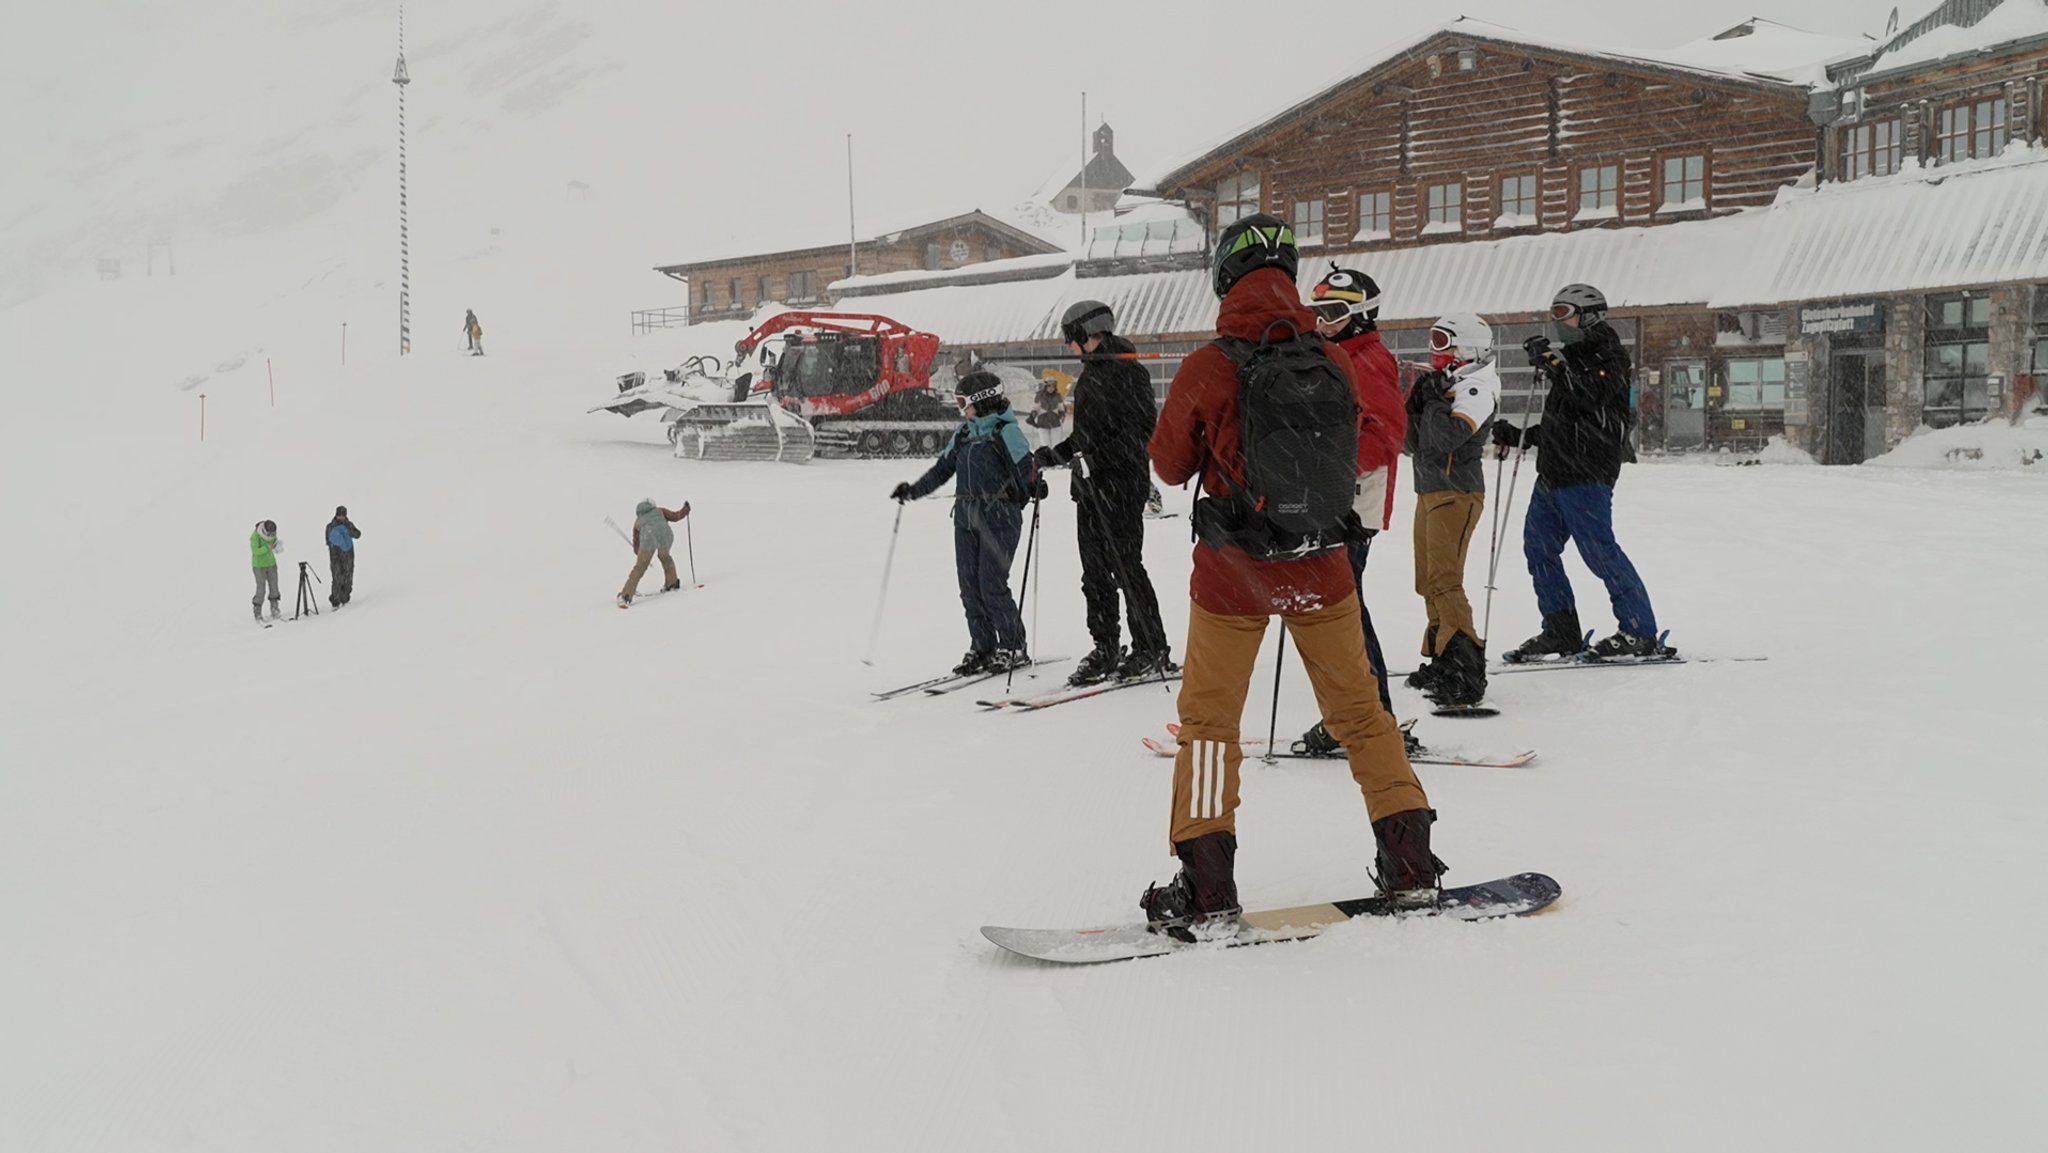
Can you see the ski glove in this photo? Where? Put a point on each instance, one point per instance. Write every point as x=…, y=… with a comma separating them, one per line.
x=1045, y=457
x=901, y=492
x=1506, y=435
x=1538, y=348
x=1039, y=490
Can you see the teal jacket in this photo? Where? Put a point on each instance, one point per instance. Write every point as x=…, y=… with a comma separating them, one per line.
x=650, y=528
x=262, y=553
x=988, y=459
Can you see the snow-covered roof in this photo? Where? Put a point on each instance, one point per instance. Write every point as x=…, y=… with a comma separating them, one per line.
x=806, y=236
x=2011, y=22
x=1978, y=223
x=1769, y=54
x=1150, y=230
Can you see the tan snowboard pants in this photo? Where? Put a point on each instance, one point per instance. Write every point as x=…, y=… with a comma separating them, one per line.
x=1444, y=523
x=640, y=562
x=1221, y=651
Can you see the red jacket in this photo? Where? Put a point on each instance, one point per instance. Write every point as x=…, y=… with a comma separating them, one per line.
x=1199, y=426
x=1382, y=415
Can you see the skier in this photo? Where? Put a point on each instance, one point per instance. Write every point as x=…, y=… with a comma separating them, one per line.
x=990, y=465
x=263, y=549
x=1450, y=411
x=474, y=331
x=1582, y=441
x=1050, y=412
x=1346, y=304
x=341, y=556
x=651, y=538
x=1113, y=418
x=1300, y=578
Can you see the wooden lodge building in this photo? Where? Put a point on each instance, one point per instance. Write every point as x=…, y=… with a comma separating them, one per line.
x=1834, y=239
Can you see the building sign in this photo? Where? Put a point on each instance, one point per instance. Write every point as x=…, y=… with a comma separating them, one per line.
x=1859, y=316
x=1798, y=374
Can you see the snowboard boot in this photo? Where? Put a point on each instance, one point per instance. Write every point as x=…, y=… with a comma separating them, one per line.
x=1200, y=903
x=1425, y=673
x=1621, y=644
x=1461, y=673
x=1144, y=663
x=1561, y=636
x=1407, y=871
x=1098, y=666
x=1316, y=742
x=972, y=663
x=1411, y=747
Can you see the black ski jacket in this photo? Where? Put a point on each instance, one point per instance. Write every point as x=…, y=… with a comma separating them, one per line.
x=1113, y=418
x=1584, y=431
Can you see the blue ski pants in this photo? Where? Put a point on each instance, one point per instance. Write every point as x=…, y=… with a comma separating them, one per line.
x=1584, y=515
x=985, y=534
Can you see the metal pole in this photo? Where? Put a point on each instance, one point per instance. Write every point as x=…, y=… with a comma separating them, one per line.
x=1273, y=725
x=202, y=416
x=852, y=231
x=1084, y=173
x=344, y=342
x=690, y=541
x=1503, y=522
x=272, y=373
x=875, y=633
x=1030, y=547
x=399, y=78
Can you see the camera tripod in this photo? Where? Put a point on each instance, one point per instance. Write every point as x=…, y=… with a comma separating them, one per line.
x=308, y=604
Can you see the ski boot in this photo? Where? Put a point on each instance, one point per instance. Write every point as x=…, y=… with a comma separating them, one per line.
x=1200, y=903
x=1425, y=673
x=1154, y=504
x=1561, y=636
x=1411, y=747
x=672, y=586
x=1146, y=663
x=1407, y=871
x=1004, y=660
x=1098, y=666
x=972, y=663
x=1316, y=742
x=1622, y=644
x=275, y=613
x=1460, y=673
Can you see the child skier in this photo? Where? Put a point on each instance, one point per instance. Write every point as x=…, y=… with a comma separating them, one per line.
x=991, y=467
x=651, y=538
x=263, y=549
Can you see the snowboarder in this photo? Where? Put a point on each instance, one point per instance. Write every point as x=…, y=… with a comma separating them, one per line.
x=990, y=465
x=1450, y=417
x=263, y=549
x=651, y=538
x=1300, y=578
x=1582, y=440
x=474, y=331
x=1113, y=419
x=1346, y=304
x=341, y=556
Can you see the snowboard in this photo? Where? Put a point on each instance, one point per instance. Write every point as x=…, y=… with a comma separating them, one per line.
x=1516, y=896
x=1467, y=712
x=1255, y=746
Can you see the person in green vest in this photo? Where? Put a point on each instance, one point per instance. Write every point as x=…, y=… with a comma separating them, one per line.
x=263, y=549
x=652, y=537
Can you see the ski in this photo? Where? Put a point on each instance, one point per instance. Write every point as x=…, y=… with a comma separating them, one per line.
x=1062, y=696
x=954, y=682
x=1170, y=747
x=638, y=597
x=1516, y=896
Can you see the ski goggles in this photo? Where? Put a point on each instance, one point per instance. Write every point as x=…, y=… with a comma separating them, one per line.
x=1563, y=311
x=1441, y=341
x=1331, y=311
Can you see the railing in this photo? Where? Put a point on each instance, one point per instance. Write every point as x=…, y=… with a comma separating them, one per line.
x=649, y=319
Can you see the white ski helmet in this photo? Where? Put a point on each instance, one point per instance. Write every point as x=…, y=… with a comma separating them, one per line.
x=1464, y=334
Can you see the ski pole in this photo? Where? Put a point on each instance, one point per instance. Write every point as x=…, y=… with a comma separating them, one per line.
x=1502, y=522
x=620, y=531
x=690, y=542
x=1273, y=724
x=875, y=633
x=1030, y=547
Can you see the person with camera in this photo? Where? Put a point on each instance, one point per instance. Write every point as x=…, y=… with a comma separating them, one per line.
x=1113, y=418
x=1581, y=441
x=263, y=549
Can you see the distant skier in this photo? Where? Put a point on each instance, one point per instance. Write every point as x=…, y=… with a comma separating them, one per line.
x=1581, y=442
x=653, y=538
x=263, y=549
x=342, y=534
x=1113, y=419
x=1050, y=412
x=474, y=331
x=990, y=465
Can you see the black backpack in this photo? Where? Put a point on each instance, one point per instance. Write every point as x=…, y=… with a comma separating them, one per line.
x=1298, y=424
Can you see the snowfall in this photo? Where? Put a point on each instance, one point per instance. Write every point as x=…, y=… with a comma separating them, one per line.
x=480, y=862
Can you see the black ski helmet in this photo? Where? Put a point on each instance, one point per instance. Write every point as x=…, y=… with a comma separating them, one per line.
x=1257, y=241
x=983, y=390
x=269, y=528
x=1351, y=287
x=1086, y=318
x=1586, y=302
x=341, y=510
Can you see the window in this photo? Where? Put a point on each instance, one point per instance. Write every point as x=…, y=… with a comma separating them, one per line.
x=766, y=291
x=2041, y=337
x=1518, y=204
x=1375, y=215
x=803, y=285
x=708, y=293
x=1988, y=131
x=1757, y=383
x=1873, y=149
x=1073, y=202
x=1955, y=384
x=1685, y=183
x=1599, y=192
x=1446, y=208
x=1308, y=222
x=1236, y=198
x=732, y=290
x=931, y=254
x=1971, y=130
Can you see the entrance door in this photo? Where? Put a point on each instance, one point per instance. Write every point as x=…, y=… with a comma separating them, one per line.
x=1875, y=417
x=1847, y=385
x=1685, y=405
